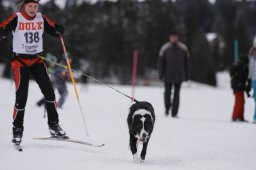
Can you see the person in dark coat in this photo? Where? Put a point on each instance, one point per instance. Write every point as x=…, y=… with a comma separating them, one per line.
x=240, y=83
x=173, y=68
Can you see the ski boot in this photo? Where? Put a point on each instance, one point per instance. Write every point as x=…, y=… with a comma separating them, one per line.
x=17, y=135
x=56, y=131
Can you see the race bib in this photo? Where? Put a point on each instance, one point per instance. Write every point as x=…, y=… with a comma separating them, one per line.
x=27, y=38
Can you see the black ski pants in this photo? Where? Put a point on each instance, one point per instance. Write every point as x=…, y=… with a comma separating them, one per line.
x=174, y=104
x=22, y=71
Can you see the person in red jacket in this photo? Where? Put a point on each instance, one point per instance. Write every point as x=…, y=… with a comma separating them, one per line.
x=240, y=83
x=27, y=27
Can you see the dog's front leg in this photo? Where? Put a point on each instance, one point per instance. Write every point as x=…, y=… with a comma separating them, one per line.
x=144, y=150
x=133, y=146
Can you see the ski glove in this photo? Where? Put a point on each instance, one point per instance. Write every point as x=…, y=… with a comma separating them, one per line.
x=59, y=29
x=248, y=87
x=249, y=84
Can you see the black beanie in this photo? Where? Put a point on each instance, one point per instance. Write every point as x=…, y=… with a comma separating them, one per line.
x=173, y=32
x=28, y=1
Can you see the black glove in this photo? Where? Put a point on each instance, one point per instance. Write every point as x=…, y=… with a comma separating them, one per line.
x=248, y=87
x=248, y=94
x=3, y=33
x=249, y=84
x=59, y=29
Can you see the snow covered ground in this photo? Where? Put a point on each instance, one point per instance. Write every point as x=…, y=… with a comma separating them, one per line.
x=203, y=138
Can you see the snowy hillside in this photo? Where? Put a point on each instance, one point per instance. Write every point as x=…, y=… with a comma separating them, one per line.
x=203, y=138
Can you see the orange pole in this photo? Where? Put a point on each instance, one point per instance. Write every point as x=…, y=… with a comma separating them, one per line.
x=73, y=81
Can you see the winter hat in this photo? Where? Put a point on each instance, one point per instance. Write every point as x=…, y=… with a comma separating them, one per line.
x=173, y=32
x=28, y=1
x=22, y=3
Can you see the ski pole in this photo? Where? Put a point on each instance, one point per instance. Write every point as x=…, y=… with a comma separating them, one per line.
x=73, y=82
x=98, y=81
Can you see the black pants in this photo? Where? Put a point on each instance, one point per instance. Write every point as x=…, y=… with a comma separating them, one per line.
x=21, y=78
x=174, y=104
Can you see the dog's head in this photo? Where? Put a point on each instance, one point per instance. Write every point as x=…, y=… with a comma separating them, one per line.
x=142, y=119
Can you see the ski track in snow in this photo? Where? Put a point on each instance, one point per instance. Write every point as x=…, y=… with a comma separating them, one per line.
x=203, y=138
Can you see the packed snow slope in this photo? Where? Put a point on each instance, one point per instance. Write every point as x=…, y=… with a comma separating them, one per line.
x=203, y=138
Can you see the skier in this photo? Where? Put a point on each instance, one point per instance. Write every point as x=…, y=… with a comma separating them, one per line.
x=58, y=76
x=27, y=27
x=240, y=83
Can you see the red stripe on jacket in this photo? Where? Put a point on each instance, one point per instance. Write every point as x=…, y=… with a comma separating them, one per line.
x=48, y=20
x=6, y=22
x=15, y=111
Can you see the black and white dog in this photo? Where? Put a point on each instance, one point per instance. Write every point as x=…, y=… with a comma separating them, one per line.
x=140, y=121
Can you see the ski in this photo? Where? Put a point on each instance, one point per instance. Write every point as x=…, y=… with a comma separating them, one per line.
x=18, y=147
x=70, y=140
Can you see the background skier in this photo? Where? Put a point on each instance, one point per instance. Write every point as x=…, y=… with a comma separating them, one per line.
x=58, y=76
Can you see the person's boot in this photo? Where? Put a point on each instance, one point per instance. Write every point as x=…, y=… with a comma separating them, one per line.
x=17, y=135
x=56, y=131
x=166, y=112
